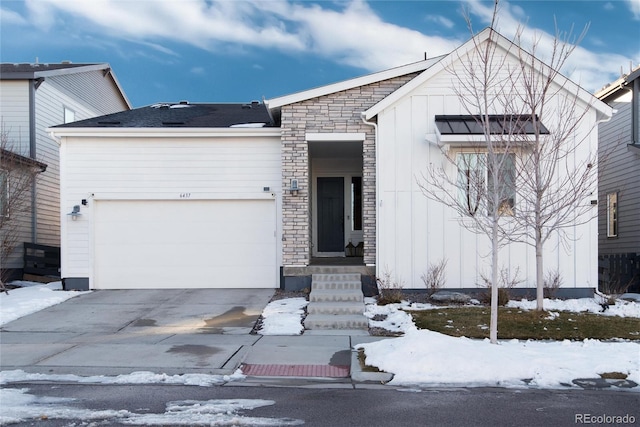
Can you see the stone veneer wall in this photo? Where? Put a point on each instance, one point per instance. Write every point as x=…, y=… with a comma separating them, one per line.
x=337, y=112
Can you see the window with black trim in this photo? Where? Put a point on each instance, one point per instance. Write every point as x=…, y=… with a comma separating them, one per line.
x=475, y=181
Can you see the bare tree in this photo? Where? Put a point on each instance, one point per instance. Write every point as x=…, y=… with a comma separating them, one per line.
x=551, y=172
x=17, y=174
x=482, y=191
x=559, y=174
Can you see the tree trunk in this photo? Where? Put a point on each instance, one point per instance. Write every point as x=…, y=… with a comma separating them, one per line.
x=539, y=273
x=493, y=324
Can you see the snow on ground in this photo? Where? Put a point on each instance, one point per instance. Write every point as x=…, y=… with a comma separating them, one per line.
x=423, y=356
x=18, y=406
x=621, y=308
x=427, y=357
x=30, y=298
x=140, y=377
x=283, y=317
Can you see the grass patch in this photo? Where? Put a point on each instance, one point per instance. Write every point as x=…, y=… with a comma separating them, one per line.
x=473, y=322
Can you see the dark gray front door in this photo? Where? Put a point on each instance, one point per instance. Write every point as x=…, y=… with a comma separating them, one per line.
x=330, y=214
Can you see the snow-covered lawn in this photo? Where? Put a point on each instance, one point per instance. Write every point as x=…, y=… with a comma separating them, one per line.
x=621, y=308
x=30, y=298
x=426, y=357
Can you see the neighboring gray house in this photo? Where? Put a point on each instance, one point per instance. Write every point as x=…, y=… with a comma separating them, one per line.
x=34, y=97
x=619, y=186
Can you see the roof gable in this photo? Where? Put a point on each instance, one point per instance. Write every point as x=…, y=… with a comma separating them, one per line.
x=365, y=80
x=26, y=71
x=511, y=48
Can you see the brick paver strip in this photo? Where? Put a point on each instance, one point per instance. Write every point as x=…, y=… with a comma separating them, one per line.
x=326, y=371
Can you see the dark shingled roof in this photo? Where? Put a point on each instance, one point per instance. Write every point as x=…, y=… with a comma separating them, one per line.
x=181, y=115
x=25, y=71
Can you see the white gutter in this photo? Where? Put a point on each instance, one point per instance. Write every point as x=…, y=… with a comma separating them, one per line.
x=113, y=132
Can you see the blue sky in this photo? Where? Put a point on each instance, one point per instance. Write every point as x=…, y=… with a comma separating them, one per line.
x=238, y=51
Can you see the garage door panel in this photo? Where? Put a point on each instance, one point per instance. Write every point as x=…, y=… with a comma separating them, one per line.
x=185, y=244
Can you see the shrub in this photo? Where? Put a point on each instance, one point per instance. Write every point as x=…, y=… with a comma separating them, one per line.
x=434, y=278
x=389, y=290
x=552, y=282
x=506, y=281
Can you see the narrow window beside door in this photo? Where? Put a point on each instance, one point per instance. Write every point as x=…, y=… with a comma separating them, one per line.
x=356, y=203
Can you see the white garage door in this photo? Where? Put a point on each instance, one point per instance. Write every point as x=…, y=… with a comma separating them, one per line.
x=185, y=244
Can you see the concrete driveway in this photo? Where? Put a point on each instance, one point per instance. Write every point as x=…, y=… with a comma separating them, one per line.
x=121, y=331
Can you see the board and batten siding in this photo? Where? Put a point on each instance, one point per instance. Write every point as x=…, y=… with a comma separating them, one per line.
x=415, y=231
x=160, y=168
x=619, y=172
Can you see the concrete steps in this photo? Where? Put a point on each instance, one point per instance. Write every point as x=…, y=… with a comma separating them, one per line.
x=336, y=302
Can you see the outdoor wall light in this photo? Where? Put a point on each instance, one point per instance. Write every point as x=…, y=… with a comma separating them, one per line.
x=294, y=187
x=75, y=213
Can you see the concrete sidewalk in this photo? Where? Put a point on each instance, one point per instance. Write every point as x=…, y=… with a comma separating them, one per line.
x=172, y=332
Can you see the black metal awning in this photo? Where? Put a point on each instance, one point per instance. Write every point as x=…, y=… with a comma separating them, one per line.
x=499, y=125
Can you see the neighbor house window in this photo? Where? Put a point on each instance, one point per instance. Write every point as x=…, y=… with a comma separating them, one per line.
x=475, y=181
x=356, y=203
x=69, y=115
x=612, y=214
x=4, y=185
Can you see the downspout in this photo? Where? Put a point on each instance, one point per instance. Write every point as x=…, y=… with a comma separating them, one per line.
x=363, y=116
x=33, y=84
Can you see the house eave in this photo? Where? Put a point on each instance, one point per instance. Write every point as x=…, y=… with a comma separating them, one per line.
x=6, y=155
x=293, y=98
x=32, y=75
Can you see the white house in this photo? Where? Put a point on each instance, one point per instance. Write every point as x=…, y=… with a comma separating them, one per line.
x=265, y=195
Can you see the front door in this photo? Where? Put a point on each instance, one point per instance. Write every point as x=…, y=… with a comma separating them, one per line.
x=331, y=214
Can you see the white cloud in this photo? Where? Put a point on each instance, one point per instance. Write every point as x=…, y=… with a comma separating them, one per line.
x=354, y=35
x=634, y=7
x=10, y=17
x=440, y=20
x=609, y=6
x=197, y=71
x=350, y=32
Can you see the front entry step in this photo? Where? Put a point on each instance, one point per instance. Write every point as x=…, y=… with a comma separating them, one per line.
x=336, y=302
